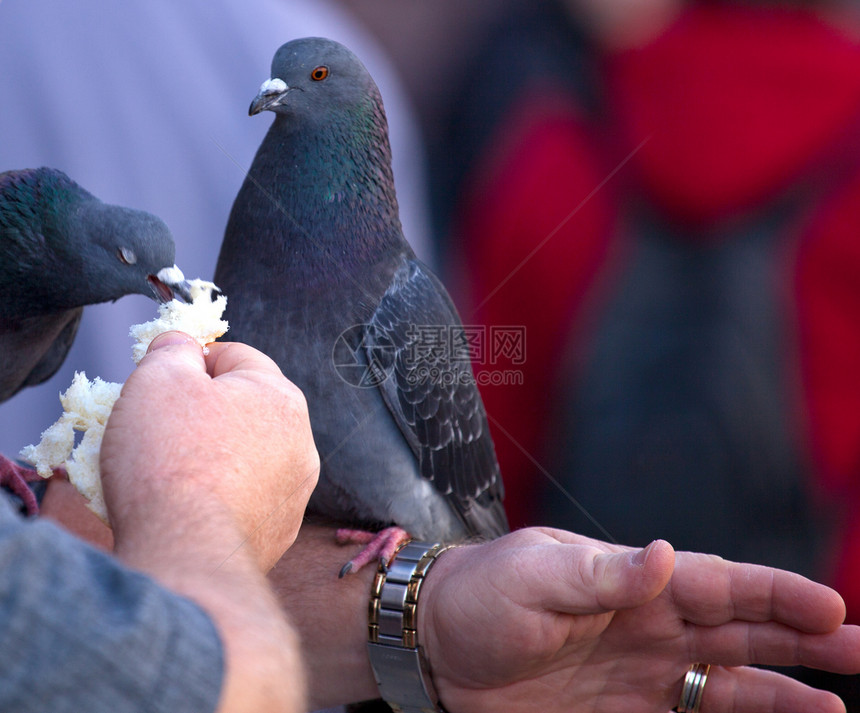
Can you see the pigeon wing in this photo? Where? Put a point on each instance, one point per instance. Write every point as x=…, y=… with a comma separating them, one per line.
x=56, y=353
x=416, y=340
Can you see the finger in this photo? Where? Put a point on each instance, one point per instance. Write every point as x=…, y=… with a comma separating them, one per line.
x=234, y=357
x=712, y=591
x=792, y=599
x=166, y=339
x=173, y=348
x=630, y=579
x=740, y=643
x=580, y=579
x=750, y=690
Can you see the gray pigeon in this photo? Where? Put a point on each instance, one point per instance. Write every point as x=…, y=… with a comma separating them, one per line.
x=61, y=249
x=321, y=278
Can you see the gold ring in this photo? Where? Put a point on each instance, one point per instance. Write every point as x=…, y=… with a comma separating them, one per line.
x=694, y=686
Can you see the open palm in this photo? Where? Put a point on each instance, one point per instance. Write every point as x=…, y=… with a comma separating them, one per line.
x=545, y=620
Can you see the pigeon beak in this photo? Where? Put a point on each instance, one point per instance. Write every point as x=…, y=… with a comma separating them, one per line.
x=271, y=94
x=166, y=282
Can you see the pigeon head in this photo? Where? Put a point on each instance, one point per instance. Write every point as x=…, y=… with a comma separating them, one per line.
x=314, y=77
x=326, y=158
x=62, y=248
x=125, y=251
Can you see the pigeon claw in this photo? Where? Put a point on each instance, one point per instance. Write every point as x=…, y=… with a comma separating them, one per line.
x=378, y=547
x=345, y=570
x=15, y=478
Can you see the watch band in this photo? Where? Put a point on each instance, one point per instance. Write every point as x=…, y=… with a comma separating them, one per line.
x=398, y=662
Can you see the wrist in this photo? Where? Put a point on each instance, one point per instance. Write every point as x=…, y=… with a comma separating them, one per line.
x=432, y=620
x=330, y=615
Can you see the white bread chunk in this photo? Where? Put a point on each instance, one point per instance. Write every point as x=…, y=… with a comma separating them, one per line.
x=201, y=318
x=86, y=408
x=87, y=404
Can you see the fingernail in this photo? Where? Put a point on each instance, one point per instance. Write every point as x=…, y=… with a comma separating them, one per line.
x=641, y=557
x=168, y=338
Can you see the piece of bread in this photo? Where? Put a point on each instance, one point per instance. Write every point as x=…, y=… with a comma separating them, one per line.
x=87, y=404
x=200, y=318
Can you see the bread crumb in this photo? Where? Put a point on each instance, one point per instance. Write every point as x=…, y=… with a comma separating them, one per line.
x=87, y=404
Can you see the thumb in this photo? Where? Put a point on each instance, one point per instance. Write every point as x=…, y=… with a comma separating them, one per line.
x=589, y=580
x=166, y=339
x=177, y=348
x=623, y=580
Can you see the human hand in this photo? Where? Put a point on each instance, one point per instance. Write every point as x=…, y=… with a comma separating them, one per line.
x=197, y=435
x=546, y=620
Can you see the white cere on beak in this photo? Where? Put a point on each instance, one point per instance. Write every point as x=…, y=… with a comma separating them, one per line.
x=273, y=86
x=170, y=275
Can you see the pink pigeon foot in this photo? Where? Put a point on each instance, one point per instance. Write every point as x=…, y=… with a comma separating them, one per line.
x=16, y=477
x=379, y=546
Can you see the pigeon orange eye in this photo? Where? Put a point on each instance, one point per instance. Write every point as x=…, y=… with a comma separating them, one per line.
x=126, y=256
x=319, y=73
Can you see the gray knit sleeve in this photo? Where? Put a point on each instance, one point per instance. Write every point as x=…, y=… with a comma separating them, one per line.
x=80, y=632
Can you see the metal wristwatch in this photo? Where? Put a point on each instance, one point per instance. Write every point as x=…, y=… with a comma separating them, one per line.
x=398, y=662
